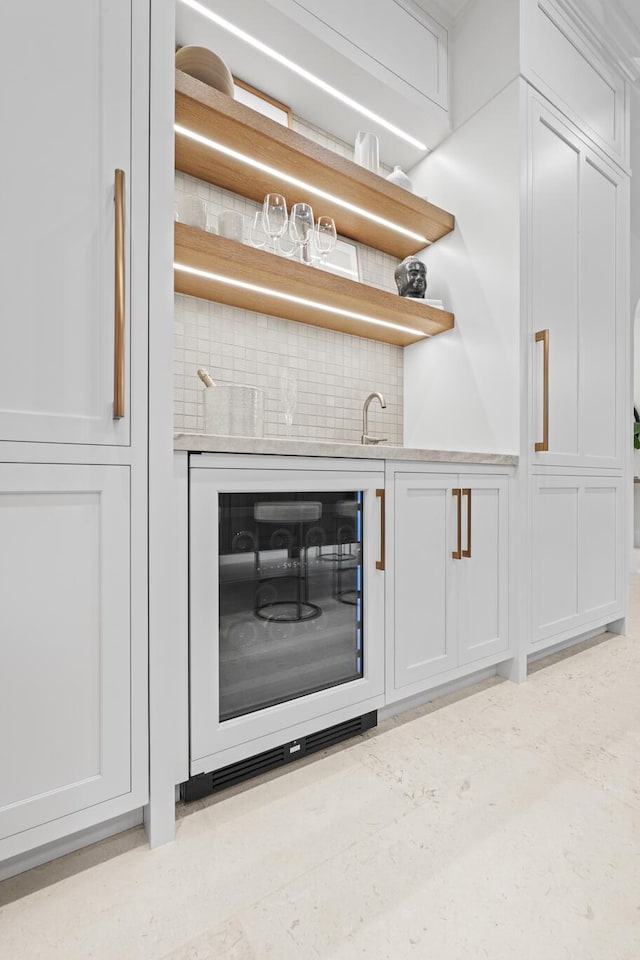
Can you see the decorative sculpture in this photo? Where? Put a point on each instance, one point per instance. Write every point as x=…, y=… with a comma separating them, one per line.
x=411, y=278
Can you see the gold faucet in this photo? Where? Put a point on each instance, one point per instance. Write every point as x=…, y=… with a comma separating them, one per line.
x=365, y=435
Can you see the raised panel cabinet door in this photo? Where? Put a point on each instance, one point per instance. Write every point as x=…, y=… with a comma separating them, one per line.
x=65, y=651
x=554, y=265
x=555, y=560
x=65, y=110
x=484, y=575
x=601, y=374
x=601, y=548
x=425, y=536
x=401, y=44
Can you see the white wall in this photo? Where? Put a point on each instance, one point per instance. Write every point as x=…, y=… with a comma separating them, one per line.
x=484, y=55
x=462, y=387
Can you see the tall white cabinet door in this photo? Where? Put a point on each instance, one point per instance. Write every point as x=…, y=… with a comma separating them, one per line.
x=69, y=130
x=484, y=575
x=555, y=185
x=577, y=264
x=600, y=305
x=424, y=537
x=65, y=651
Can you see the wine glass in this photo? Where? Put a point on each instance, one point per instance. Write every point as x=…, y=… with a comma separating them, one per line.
x=274, y=216
x=257, y=233
x=324, y=237
x=286, y=244
x=288, y=397
x=302, y=227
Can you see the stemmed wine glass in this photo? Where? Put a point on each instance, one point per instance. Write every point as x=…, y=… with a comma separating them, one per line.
x=288, y=397
x=274, y=216
x=324, y=237
x=301, y=227
x=257, y=233
x=286, y=244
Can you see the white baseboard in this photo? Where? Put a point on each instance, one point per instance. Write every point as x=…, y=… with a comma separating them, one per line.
x=59, y=848
x=565, y=644
x=419, y=699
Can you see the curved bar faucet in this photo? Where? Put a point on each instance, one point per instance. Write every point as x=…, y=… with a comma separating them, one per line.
x=365, y=434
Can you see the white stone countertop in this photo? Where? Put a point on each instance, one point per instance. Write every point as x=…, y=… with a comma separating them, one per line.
x=206, y=443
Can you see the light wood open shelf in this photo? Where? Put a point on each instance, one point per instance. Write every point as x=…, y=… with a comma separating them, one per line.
x=211, y=114
x=231, y=263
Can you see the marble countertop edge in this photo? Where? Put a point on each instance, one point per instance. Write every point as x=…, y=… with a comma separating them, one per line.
x=206, y=443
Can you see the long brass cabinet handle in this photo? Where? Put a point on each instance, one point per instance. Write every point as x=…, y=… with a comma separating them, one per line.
x=466, y=492
x=543, y=335
x=118, y=338
x=457, y=554
x=380, y=562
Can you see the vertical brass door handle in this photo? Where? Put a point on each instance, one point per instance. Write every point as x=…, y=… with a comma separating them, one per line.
x=380, y=562
x=118, y=337
x=543, y=335
x=457, y=554
x=466, y=492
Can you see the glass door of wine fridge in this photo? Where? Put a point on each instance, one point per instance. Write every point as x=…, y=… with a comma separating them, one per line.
x=286, y=603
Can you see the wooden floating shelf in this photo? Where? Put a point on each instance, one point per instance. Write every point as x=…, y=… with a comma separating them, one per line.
x=233, y=263
x=211, y=114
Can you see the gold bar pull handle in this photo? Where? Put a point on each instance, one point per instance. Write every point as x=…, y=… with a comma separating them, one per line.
x=543, y=335
x=457, y=554
x=118, y=338
x=466, y=492
x=380, y=562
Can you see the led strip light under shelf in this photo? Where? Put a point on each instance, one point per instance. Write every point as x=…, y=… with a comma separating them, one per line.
x=294, y=181
x=302, y=301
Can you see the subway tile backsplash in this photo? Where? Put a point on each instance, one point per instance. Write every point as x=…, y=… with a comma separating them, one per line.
x=334, y=372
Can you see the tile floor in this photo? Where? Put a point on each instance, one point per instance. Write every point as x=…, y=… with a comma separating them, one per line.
x=500, y=822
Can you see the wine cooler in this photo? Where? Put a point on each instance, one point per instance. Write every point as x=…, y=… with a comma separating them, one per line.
x=286, y=603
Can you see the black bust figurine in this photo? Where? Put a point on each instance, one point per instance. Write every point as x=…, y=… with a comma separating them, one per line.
x=411, y=278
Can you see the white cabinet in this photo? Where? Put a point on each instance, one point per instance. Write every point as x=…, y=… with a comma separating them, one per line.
x=73, y=419
x=447, y=580
x=577, y=563
x=401, y=44
x=577, y=204
x=560, y=59
x=71, y=130
x=65, y=612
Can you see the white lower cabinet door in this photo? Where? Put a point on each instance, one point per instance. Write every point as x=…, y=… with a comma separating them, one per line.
x=483, y=572
x=450, y=572
x=65, y=640
x=423, y=541
x=578, y=553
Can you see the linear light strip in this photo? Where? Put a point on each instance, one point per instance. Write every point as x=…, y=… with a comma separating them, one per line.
x=294, y=181
x=302, y=72
x=277, y=294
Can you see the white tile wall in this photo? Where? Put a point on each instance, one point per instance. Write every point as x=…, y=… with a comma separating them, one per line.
x=334, y=372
